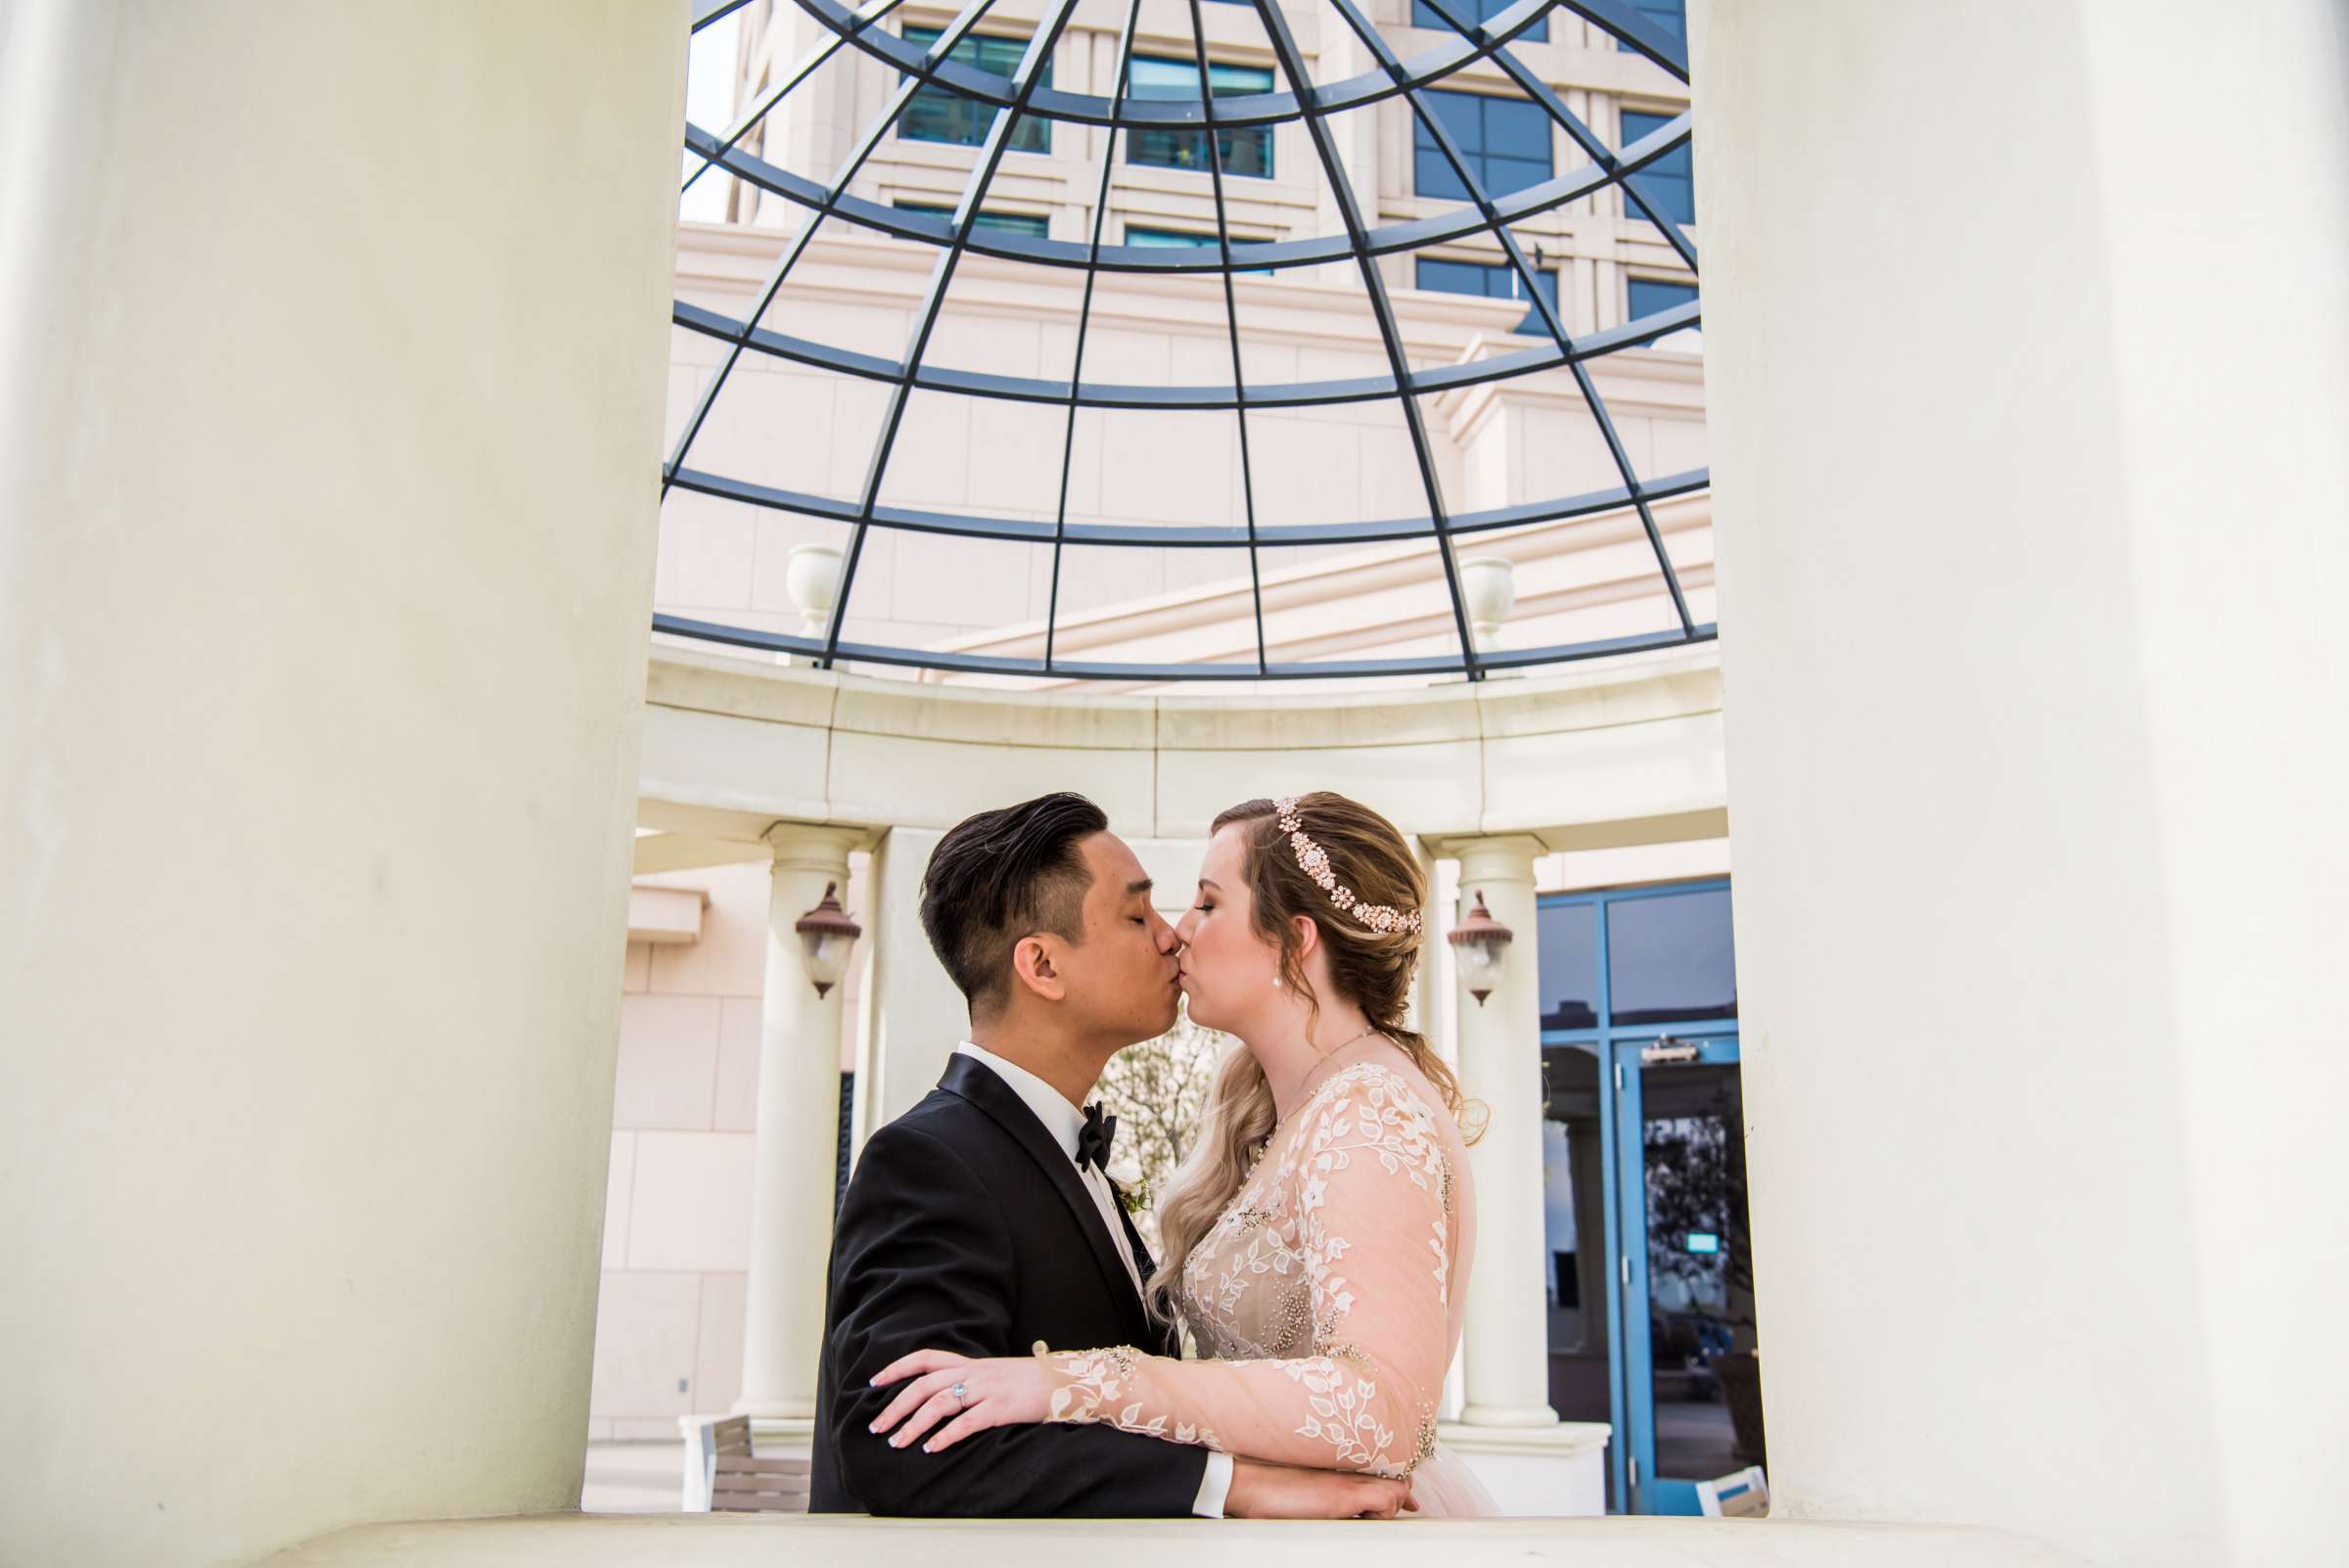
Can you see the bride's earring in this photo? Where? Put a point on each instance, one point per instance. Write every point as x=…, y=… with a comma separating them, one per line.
x=1276, y=983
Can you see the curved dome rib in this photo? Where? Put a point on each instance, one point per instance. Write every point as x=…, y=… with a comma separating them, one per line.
x=1484, y=222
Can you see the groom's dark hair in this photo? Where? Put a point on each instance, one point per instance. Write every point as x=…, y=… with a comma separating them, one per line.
x=1002, y=875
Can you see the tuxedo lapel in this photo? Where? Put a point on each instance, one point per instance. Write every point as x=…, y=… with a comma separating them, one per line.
x=1167, y=1341
x=1143, y=1264
x=975, y=1082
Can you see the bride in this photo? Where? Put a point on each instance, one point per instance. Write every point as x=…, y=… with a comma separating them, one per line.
x=1318, y=1238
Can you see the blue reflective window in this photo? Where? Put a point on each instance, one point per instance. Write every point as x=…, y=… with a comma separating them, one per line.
x=1246, y=150
x=1472, y=12
x=1667, y=17
x=1670, y=182
x=1505, y=142
x=1495, y=281
x=942, y=117
x=1008, y=222
x=1567, y=937
x=1671, y=958
x=1648, y=296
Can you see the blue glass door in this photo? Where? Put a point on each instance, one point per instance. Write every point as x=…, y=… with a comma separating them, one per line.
x=1691, y=1401
x=1652, y=1324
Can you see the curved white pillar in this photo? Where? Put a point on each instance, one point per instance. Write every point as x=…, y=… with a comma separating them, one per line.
x=1507, y=1339
x=2031, y=563
x=326, y=552
x=798, y=1123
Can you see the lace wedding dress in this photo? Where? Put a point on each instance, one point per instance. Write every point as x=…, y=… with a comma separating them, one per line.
x=1325, y=1302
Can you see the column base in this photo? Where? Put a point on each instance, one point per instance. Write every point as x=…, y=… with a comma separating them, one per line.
x=1540, y=1473
x=1509, y=1415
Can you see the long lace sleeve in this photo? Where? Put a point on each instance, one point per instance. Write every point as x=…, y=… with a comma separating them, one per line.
x=1370, y=1190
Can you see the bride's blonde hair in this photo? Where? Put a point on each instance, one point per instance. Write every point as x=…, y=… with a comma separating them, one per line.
x=1372, y=969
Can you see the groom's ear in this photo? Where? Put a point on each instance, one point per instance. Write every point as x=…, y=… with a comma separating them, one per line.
x=1032, y=966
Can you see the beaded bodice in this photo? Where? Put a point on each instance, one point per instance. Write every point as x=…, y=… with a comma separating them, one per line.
x=1324, y=1302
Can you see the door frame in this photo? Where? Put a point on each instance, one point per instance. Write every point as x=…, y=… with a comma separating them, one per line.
x=1636, y=1394
x=1630, y=1387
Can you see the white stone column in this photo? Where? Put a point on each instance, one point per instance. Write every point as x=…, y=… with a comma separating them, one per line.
x=326, y=555
x=914, y=1015
x=798, y=1121
x=2030, y=570
x=1507, y=1339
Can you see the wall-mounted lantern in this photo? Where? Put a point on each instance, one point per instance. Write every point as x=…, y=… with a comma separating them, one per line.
x=826, y=937
x=1479, y=944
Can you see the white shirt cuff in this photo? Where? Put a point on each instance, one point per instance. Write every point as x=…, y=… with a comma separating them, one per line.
x=1213, y=1487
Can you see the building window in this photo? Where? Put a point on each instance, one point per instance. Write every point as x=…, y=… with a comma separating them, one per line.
x=1184, y=239
x=1473, y=12
x=1246, y=150
x=1504, y=141
x=1633, y=959
x=942, y=117
x=1493, y=282
x=1671, y=958
x=1670, y=182
x=1667, y=17
x=1007, y=223
x=1649, y=296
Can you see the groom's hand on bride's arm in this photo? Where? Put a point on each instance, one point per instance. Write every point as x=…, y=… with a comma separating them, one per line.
x=1283, y=1492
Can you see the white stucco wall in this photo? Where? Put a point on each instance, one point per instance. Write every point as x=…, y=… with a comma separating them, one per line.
x=2039, y=1186
x=330, y=395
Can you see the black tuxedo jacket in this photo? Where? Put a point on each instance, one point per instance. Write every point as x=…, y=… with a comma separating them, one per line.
x=967, y=1228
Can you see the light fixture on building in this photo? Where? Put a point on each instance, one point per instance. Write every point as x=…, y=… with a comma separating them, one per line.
x=1489, y=588
x=1479, y=944
x=826, y=937
x=812, y=577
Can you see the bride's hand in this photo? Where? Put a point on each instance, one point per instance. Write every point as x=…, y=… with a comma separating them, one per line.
x=996, y=1390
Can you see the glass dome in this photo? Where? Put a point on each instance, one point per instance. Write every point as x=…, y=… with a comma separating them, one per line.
x=1367, y=168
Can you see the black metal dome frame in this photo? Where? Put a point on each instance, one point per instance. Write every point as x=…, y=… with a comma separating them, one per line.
x=928, y=67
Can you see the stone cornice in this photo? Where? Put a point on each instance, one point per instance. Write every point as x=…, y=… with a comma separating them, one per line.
x=1623, y=753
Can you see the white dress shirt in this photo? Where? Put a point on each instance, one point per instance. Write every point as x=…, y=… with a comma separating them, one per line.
x=1065, y=1122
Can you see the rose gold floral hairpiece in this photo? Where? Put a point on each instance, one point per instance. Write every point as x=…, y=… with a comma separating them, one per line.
x=1313, y=861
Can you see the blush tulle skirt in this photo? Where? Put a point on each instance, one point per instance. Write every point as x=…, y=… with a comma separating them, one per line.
x=1446, y=1487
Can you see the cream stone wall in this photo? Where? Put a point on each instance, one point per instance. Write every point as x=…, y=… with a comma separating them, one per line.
x=677, y=1205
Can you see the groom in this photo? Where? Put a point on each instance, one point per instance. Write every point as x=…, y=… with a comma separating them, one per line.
x=981, y=1221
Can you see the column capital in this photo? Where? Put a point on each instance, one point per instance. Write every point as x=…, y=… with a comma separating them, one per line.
x=811, y=846
x=1493, y=858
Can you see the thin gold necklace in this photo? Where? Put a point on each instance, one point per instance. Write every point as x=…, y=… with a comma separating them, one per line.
x=1264, y=1144
x=1329, y=1054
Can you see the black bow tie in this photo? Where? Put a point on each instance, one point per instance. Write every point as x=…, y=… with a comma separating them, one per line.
x=1093, y=1138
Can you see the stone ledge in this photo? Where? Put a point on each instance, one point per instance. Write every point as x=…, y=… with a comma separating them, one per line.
x=762, y=1541
x=1565, y=1438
